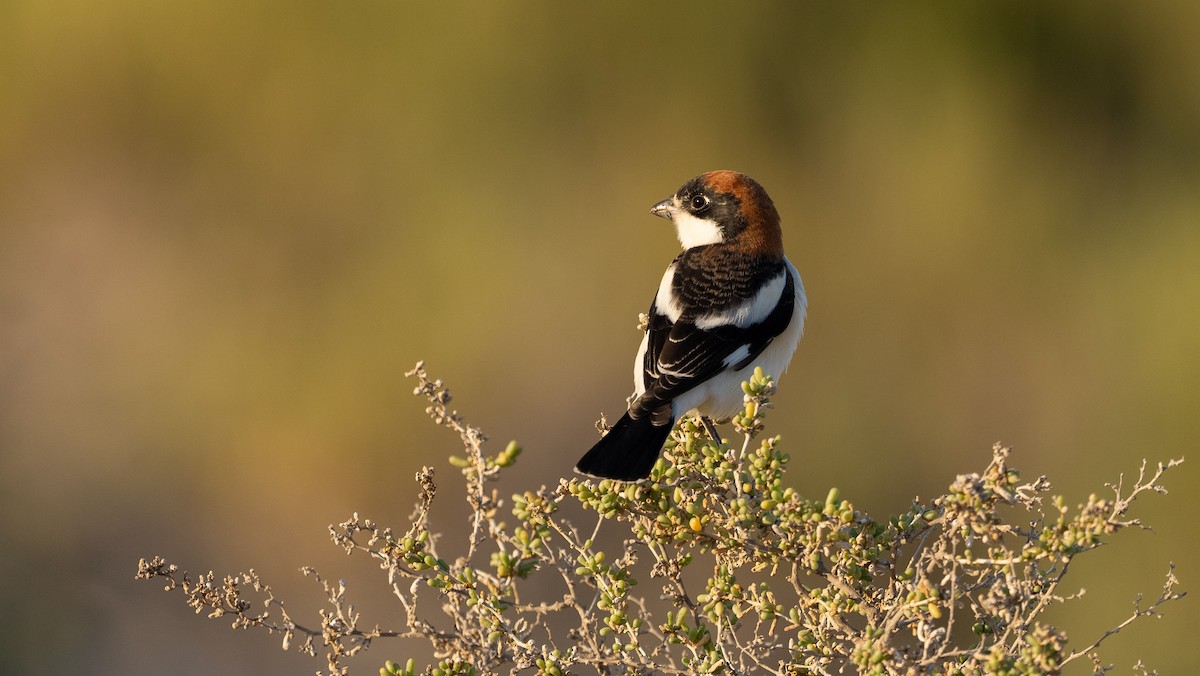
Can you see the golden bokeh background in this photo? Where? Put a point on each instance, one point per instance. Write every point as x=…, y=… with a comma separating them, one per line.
x=227, y=229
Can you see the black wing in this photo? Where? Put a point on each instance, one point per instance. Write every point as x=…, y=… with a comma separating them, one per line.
x=680, y=356
x=657, y=330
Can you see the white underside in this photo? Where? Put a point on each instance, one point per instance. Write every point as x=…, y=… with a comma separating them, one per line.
x=721, y=396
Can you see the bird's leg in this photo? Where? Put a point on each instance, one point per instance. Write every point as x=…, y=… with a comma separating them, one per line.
x=711, y=428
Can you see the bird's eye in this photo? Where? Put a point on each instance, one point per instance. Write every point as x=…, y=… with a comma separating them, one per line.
x=699, y=202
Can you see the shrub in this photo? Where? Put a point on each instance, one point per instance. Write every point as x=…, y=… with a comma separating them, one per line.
x=722, y=568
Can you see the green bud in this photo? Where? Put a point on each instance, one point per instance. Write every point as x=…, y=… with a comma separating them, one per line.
x=832, y=499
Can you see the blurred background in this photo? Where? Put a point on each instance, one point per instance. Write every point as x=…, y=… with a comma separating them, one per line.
x=227, y=229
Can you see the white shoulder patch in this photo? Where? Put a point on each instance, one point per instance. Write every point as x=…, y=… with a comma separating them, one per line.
x=694, y=231
x=666, y=302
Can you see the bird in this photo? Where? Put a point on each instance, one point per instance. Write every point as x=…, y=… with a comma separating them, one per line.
x=729, y=302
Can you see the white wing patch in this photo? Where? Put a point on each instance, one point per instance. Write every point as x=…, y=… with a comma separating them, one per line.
x=737, y=355
x=639, y=366
x=695, y=232
x=752, y=311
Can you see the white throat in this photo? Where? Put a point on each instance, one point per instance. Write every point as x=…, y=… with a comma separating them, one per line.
x=694, y=231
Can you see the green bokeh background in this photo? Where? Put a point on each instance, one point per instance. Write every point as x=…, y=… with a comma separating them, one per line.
x=227, y=229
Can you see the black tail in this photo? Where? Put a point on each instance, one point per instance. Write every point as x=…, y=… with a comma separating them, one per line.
x=628, y=451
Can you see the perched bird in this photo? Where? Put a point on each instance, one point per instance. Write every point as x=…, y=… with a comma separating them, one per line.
x=731, y=301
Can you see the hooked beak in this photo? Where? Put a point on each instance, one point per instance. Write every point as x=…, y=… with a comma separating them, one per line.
x=665, y=209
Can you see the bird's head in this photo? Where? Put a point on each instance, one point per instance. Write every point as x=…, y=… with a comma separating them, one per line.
x=724, y=207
